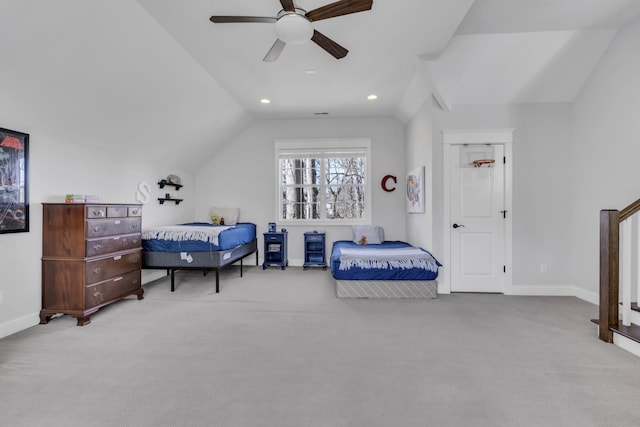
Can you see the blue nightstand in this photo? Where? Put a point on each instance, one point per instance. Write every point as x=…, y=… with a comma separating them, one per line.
x=314, y=250
x=275, y=250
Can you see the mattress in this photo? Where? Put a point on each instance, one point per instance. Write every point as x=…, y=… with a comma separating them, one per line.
x=228, y=238
x=383, y=270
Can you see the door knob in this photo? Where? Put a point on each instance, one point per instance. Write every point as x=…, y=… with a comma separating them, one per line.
x=457, y=225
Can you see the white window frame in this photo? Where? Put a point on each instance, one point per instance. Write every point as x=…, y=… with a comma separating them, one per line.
x=319, y=147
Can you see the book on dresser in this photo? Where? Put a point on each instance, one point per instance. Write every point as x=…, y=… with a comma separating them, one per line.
x=91, y=257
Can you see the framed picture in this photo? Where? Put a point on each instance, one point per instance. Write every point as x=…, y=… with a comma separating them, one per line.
x=415, y=191
x=14, y=181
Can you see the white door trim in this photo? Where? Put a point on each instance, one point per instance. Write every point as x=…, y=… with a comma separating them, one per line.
x=477, y=136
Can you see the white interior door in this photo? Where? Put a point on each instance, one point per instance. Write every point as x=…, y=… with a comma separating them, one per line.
x=477, y=218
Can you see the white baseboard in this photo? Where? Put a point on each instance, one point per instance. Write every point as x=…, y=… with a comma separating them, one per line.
x=588, y=296
x=625, y=343
x=553, y=290
x=541, y=290
x=151, y=275
x=19, y=324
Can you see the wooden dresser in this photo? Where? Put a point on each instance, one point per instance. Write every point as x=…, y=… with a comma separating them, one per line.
x=91, y=257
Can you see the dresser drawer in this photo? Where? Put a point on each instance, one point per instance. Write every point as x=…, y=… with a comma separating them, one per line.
x=96, y=211
x=110, y=227
x=103, y=292
x=134, y=211
x=314, y=238
x=105, y=245
x=104, y=268
x=117, y=211
x=112, y=211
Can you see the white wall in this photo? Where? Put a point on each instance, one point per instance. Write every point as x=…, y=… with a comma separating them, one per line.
x=606, y=148
x=541, y=187
x=242, y=175
x=58, y=168
x=110, y=101
x=420, y=153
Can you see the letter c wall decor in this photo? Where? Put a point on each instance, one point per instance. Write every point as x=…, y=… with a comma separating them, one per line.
x=384, y=181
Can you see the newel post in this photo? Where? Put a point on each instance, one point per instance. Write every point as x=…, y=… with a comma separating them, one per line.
x=609, y=271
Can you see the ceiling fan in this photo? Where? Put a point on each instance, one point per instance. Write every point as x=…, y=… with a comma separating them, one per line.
x=293, y=25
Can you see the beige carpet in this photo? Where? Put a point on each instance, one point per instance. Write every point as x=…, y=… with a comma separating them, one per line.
x=276, y=348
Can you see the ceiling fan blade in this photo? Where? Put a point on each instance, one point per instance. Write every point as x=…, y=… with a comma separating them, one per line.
x=288, y=5
x=231, y=19
x=275, y=51
x=339, y=8
x=329, y=45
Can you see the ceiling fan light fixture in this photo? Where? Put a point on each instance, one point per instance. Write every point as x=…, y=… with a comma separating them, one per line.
x=293, y=28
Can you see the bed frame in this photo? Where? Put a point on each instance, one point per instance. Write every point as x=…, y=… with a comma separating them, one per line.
x=390, y=289
x=205, y=261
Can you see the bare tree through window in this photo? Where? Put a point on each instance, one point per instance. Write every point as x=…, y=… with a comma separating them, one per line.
x=323, y=187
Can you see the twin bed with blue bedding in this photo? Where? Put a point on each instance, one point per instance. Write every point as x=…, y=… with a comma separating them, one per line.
x=389, y=269
x=197, y=246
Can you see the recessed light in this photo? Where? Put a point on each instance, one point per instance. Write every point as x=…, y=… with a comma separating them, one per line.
x=372, y=97
x=265, y=101
x=310, y=71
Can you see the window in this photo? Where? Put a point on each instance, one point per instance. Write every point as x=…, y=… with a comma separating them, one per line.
x=323, y=181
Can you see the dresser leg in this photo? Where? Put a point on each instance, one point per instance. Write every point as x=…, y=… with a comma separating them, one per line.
x=140, y=294
x=83, y=320
x=44, y=318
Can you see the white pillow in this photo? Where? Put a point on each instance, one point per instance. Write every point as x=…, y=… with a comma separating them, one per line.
x=368, y=234
x=230, y=215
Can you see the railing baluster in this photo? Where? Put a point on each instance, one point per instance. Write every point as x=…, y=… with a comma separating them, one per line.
x=635, y=278
x=626, y=237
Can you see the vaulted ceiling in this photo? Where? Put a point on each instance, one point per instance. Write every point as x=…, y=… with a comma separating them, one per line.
x=158, y=79
x=483, y=51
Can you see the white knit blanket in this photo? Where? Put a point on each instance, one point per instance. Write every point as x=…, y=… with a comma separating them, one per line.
x=179, y=233
x=387, y=258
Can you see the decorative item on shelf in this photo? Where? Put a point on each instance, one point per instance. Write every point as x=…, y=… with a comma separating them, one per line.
x=74, y=198
x=174, y=180
x=167, y=196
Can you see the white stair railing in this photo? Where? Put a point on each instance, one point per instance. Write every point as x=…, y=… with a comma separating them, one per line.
x=629, y=262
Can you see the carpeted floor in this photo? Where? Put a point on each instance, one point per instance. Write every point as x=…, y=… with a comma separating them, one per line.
x=276, y=348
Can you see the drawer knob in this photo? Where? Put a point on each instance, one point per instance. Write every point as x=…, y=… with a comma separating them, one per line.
x=96, y=229
x=97, y=294
x=96, y=247
x=96, y=271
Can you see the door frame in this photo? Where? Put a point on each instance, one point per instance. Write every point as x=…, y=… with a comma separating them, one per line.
x=452, y=137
